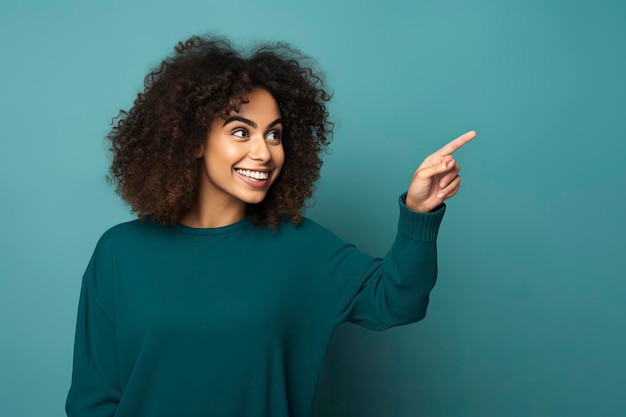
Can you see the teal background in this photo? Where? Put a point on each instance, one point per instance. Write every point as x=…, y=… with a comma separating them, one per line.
x=529, y=315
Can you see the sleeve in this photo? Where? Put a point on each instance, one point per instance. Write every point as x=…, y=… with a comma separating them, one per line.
x=394, y=290
x=95, y=389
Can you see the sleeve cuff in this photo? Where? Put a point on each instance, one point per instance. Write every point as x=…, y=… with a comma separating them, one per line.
x=422, y=227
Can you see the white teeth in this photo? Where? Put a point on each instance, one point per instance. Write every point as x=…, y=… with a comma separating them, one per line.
x=257, y=175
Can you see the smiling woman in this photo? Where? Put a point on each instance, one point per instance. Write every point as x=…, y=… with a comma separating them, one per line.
x=241, y=159
x=221, y=298
x=157, y=143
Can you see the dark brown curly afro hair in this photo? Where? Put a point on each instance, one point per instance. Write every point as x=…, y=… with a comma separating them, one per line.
x=154, y=144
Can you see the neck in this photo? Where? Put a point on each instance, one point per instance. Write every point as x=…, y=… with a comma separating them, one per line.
x=206, y=213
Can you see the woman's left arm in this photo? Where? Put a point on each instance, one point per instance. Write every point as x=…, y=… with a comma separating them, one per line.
x=395, y=290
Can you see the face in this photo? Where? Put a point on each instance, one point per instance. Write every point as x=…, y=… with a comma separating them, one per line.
x=243, y=154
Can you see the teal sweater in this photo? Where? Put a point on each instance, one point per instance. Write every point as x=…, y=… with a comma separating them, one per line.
x=236, y=320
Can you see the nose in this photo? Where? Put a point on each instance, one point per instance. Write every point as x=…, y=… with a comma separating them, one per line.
x=259, y=149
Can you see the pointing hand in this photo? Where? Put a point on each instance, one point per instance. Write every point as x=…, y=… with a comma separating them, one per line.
x=437, y=178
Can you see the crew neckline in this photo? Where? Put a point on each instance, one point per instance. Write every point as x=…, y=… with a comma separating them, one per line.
x=214, y=231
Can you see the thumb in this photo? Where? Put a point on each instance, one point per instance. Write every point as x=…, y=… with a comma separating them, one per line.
x=442, y=166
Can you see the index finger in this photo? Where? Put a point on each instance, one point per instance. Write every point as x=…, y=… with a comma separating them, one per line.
x=456, y=143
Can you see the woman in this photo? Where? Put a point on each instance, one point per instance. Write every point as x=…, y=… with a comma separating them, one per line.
x=220, y=300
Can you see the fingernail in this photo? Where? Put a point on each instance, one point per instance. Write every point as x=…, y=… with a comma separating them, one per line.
x=440, y=195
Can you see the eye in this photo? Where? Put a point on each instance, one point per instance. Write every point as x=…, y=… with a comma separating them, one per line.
x=274, y=136
x=240, y=133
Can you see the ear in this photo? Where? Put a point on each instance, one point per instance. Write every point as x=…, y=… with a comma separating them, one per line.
x=199, y=152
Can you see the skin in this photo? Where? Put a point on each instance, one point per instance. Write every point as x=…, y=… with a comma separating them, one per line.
x=250, y=140
x=437, y=178
x=247, y=140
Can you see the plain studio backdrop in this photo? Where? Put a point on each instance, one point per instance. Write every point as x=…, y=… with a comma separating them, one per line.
x=529, y=314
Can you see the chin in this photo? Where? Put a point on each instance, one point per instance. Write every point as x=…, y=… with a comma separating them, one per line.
x=255, y=199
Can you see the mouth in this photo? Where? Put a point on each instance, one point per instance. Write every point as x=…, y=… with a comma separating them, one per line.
x=253, y=175
x=253, y=178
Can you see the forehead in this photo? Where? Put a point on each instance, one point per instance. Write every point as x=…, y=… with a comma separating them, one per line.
x=259, y=107
x=260, y=103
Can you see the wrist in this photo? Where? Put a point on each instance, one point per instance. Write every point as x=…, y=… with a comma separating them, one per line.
x=418, y=208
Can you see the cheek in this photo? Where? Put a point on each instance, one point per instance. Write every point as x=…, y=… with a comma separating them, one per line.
x=220, y=148
x=230, y=151
x=278, y=155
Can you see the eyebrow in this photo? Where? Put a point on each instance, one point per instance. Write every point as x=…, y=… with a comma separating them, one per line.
x=249, y=122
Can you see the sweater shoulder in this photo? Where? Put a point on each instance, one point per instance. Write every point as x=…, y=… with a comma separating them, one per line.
x=308, y=229
x=121, y=238
x=309, y=237
x=129, y=231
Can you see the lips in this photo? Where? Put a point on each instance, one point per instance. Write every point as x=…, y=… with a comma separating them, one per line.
x=253, y=178
x=255, y=175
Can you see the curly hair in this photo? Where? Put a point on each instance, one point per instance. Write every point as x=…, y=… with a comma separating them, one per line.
x=153, y=145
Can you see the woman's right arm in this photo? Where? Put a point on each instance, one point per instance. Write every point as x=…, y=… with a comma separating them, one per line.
x=95, y=390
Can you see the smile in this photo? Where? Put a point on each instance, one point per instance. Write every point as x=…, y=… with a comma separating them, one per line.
x=255, y=175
